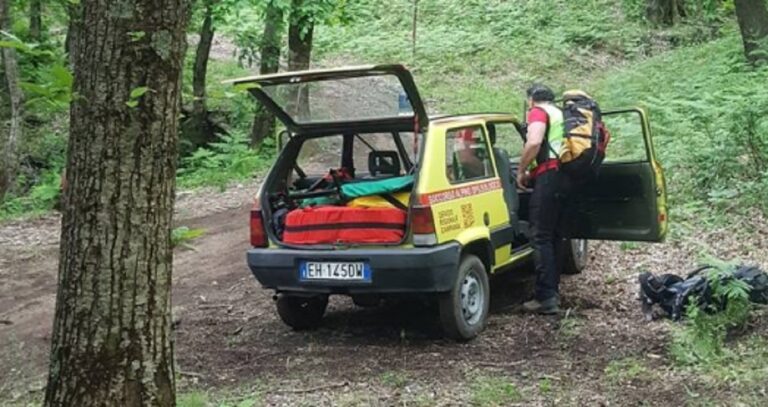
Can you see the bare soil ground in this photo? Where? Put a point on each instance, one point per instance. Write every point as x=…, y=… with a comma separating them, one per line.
x=230, y=341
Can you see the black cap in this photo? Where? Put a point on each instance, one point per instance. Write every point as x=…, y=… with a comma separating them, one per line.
x=540, y=93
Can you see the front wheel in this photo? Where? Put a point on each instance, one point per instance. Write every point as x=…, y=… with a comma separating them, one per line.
x=301, y=312
x=575, y=253
x=464, y=309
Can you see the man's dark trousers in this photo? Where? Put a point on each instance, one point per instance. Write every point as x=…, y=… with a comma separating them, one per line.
x=546, y=209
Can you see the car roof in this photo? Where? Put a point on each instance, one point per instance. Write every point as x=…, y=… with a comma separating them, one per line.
x=468, y=117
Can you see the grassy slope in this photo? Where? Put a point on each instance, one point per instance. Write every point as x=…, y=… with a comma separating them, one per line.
x=480, y=55
x=702, y=101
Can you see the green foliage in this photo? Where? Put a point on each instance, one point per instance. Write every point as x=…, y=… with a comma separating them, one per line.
x=710, y=124
x=250, y=398
x=193, y=399
x=494, y=39
x=397, y=380
x=39, y=199
x=696, y=10
x=625, y=370
x=135, y=95
x=225, y=161
x=52, y=89
x=182, y=235
x=235, y=107
x=701, y=341
x=545, y=386
x=493, y=391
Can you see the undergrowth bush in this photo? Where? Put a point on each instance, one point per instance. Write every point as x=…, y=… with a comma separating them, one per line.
x=701, y=340
x=40, y=198
x=709, y=114
x=224, y=161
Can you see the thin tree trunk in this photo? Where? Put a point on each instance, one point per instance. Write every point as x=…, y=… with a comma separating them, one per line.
x=73, y=12
x=264, y=122
x=753, y=22
x=662, y=12
x=300, y=32
x=35, y=20
x=414, y=26
x=201, y=62
x=111, y=341
x=11, y=70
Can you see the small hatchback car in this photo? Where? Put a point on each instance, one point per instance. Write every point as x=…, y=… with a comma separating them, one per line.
x=371, y=197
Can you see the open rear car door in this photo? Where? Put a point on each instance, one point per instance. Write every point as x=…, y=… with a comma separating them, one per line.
x=628, y=200
x=331, y=100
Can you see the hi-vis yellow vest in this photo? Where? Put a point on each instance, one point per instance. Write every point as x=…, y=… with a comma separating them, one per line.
x=555, y=130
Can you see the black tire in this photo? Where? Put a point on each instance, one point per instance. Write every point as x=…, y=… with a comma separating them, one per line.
x=464, y=309
x=300, y=312
x=575, y=254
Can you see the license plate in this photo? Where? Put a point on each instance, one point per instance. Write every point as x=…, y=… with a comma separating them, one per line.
x=340, y=271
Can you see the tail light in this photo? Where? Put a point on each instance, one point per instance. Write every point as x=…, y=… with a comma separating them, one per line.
x=423, y=226
x=258, y=233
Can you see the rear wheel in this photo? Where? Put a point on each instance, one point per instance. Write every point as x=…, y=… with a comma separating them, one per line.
x=464, y=309
x=300, y=312
x=575, y=253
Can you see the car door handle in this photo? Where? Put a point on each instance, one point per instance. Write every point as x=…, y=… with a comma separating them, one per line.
x=486, y=219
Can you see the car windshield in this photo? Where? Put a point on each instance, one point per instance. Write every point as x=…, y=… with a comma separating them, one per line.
x=341, y=99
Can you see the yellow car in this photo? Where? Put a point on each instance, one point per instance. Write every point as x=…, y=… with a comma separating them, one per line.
x=452, y=216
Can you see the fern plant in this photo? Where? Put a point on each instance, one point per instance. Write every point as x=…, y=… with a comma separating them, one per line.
x=229, y=159
x=701, y=341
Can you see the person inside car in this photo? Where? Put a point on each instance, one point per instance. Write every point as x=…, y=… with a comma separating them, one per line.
x=470, y=164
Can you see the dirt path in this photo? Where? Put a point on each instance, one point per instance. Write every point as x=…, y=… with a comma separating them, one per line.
x=229, y=337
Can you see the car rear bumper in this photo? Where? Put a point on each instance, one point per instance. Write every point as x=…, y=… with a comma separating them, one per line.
x=412, y=270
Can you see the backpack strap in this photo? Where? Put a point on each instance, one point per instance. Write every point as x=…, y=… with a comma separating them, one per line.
x=393, y=201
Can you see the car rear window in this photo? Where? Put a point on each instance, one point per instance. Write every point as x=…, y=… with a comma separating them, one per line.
x=344, y=99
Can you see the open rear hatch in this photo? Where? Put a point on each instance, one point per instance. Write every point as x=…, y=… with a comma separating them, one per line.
x=335, y=100
x=347, y=102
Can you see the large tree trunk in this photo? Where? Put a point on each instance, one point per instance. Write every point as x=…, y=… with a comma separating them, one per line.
x=201, y=61
x=264, y=122
x=663, y=12
x=35, y=20
x=753, y=21
x=12, y=137
x=111, y=342
x=300, y=33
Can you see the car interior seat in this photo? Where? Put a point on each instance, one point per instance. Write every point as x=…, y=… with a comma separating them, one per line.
x=504, y=167
x=384, y=163
x=510, y=191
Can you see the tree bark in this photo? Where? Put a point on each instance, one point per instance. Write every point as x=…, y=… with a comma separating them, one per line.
x=35, y=20
x=111, y=341
x=753, y=22
x=264, y=122
x=201, y=62
x=300, y=31
x=11, y=71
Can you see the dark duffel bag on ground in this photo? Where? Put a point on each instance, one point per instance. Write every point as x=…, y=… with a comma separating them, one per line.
x=673, y=293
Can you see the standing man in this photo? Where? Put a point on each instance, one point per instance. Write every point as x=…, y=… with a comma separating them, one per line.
x=545, y=136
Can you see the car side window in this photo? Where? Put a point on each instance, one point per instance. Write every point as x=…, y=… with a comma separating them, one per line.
x=318, y=155
x=508, y=138
x=627, y=142
x=466, y=154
